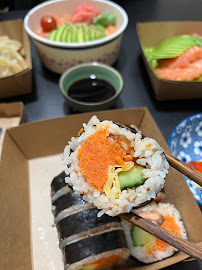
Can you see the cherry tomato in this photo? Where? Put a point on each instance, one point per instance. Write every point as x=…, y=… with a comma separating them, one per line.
x=48, y=23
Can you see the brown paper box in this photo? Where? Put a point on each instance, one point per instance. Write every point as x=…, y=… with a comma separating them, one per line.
x=20, y=83
x=11, y=115
x=30, y=161
x=152, y=34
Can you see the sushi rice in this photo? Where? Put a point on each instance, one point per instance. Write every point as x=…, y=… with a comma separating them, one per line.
x=141, y=252
x=147, y=153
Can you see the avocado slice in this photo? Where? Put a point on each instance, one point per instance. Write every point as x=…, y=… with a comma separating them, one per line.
x=80, y=33
x=59, y=32
x=100, y=32
x=69, y=33
x=52, y=34
x=74, y=34
x=85, y=33
x=131, y=178
x=64, y=34
x=140, y=237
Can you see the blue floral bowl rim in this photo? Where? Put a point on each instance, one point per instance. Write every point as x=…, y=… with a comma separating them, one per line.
x=171, y=135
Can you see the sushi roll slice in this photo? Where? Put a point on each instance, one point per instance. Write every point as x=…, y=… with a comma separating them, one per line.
x=87, y=242
x=59, y=187
x=97, y=251
x=147, y=248
x=83, y=223
x=57, y=183
x=113, y=167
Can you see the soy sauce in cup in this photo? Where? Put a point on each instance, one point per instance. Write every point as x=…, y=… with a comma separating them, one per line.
x=91, y=89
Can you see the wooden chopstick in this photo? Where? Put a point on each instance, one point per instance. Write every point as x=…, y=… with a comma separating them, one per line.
x=184, y=168
x=178, y=242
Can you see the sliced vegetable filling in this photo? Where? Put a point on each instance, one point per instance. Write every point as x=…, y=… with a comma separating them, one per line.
x=106, y=161
x=150, y=243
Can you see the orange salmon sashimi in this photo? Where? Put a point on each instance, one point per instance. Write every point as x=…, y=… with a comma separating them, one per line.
x=186, y=67
x=191, y=55
x=189, y=73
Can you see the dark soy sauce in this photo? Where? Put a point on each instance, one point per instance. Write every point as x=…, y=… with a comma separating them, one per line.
x=91, y=90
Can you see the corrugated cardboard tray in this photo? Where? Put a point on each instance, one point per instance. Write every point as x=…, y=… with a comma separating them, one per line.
x=151, y=34
x=19, y=83
x=31, y=158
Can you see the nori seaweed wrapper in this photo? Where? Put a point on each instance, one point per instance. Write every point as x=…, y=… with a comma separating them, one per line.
x=94, y=245
x=66, y=201
x=82, y=221
x=58, y=182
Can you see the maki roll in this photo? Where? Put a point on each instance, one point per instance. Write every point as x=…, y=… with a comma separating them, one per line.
x=87, y=242
x=145, y=247
x=113, y=167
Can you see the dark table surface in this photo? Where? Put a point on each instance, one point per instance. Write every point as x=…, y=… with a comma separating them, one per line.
x=46, y=101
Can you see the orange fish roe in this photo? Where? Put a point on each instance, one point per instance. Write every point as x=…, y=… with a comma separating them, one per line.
x=170, y=225
x=96, y=154
x=111, y=29
x=42, y=34
x=80, y=131
x=63, y=19
x=104, y=262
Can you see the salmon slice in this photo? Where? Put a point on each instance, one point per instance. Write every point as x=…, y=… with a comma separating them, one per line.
x=191, y=55
x=189, y=73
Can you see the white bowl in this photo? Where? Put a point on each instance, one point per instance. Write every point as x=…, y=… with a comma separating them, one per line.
x=59, y=56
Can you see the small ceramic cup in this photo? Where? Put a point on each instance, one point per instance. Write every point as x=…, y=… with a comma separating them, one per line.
x=83, y=71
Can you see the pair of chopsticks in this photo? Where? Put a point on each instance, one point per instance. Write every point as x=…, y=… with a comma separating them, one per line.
x=178, y=242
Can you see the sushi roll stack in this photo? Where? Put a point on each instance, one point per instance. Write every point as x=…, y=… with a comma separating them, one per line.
x=87, y=242
x=113, y=167
x=147, y=248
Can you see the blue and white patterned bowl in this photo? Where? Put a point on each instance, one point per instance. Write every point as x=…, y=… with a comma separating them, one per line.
x=185, y=143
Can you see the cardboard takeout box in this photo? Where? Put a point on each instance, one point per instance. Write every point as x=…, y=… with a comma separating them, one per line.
x=11, y=115
x=19, y=83
x=31, y=158
x=152, y=34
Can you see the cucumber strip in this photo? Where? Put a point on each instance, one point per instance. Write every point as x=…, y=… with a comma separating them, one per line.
x=131, y=178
